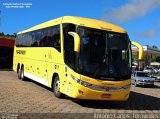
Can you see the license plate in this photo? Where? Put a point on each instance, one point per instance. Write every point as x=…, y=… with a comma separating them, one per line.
x=106, y=95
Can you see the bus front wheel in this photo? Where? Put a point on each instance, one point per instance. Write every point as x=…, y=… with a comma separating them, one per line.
x=56, y=88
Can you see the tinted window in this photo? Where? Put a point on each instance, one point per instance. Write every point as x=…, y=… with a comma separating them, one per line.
x=142, y=74
x=69, y=44
x=47, y=37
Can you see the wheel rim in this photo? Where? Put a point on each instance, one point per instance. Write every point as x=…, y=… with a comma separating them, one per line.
x=57, y=86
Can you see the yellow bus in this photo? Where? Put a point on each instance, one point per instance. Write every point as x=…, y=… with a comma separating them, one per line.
x=79, y=57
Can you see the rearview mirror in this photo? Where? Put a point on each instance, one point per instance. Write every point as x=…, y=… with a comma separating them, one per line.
x=76, y=41
x=140, y=49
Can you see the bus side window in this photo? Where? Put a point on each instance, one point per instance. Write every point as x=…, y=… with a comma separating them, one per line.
x=56, y=41
x=34, y=39
x=51, y=37
x=56, y=38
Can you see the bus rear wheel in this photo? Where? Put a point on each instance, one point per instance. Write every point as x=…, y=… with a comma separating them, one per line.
x=56, y=88
x=22, y=73
x=19, y=72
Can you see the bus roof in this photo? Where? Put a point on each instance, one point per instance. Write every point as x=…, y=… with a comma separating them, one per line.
x=87, y=22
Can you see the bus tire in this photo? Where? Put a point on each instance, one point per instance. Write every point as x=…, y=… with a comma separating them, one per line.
x=22, y=73
x=18, y=68
x=19, y=72
x=56, y=87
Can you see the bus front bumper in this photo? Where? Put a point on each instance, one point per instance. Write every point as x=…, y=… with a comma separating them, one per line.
x=82, y=92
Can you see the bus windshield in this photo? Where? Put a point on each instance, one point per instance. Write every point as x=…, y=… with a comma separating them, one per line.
x=104, y=55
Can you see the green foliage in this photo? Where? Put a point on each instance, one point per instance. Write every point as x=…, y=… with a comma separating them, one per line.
x=7, y=36
x=154, y=46
x=1, y=34
x=157, y=59
x=134, y=57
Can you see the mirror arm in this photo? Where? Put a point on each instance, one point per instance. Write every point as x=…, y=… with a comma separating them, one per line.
x=76, y=41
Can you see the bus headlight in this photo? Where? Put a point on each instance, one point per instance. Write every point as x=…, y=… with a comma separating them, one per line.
x=80, y=81
x=100, y=88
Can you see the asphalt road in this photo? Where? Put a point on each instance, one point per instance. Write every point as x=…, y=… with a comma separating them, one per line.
x=30, y=97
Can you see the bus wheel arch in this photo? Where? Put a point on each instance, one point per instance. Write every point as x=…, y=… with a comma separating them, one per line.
x=56, y=85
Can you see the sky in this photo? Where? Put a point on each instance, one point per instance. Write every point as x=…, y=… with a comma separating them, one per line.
x=140, y=18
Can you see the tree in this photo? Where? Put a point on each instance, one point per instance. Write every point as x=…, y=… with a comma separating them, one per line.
x=1, y=34
x=154, y=46
x=157, y=59
x=134, y=57
x=8, y=35
x=14, y=34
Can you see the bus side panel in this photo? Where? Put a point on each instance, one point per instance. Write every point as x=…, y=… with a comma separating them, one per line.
x=34, y=61
x=55, y=63
x=39, y=63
